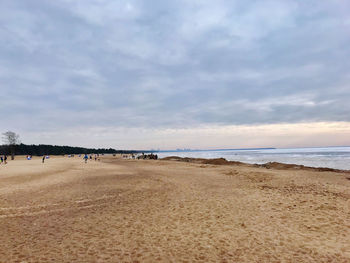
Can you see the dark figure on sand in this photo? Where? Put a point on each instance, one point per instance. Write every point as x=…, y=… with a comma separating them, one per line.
x=148, y=156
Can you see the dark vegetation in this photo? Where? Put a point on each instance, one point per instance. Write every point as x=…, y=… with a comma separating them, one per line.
x=42, y=149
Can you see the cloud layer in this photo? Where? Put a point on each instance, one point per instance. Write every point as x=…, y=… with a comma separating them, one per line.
x=94, y=64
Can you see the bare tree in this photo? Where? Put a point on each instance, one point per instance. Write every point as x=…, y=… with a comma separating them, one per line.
x=11, y=139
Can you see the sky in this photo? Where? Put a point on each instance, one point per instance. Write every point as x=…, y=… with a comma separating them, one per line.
x=176, y=74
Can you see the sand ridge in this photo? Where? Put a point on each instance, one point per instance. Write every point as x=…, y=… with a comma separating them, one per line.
x=164, y=211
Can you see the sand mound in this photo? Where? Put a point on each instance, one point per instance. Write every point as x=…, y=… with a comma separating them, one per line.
x=216, y=161
x=269, y=165
x=285, y=166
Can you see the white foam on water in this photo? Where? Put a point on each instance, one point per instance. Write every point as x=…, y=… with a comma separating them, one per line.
x=331, y=157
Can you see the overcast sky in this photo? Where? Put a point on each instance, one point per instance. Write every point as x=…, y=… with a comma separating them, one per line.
x=171, y=74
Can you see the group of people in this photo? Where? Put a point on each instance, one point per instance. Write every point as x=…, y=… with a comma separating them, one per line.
x=96, y=157
x=3, y=159
x=29, y=157
x=128, y=156
x=150, y=156
x=143, y=156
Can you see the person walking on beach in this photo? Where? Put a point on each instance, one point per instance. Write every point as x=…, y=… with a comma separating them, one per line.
x=5, y=159
x=86, y=158
x=43, y=158
x=1, y=159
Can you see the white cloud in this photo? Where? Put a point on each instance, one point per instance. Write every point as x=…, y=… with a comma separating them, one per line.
x=102, y=12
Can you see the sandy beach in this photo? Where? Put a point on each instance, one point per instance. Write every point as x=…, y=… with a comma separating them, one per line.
x=120, y=210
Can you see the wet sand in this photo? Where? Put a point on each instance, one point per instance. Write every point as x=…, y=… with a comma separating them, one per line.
x=168, y=211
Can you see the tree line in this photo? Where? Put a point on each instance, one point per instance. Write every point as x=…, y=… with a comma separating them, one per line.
x=13, y=147
x=43, y=149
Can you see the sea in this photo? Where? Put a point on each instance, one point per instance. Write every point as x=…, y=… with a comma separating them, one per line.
x=330, y=157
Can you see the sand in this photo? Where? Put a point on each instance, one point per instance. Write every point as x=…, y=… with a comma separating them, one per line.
x=168, y=211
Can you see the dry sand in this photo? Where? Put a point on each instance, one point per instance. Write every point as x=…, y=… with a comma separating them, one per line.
x=167, y=211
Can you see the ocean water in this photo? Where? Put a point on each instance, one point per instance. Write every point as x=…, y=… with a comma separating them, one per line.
x=331, y=157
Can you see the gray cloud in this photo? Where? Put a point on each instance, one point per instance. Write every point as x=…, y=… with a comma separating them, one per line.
x=103, y=63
